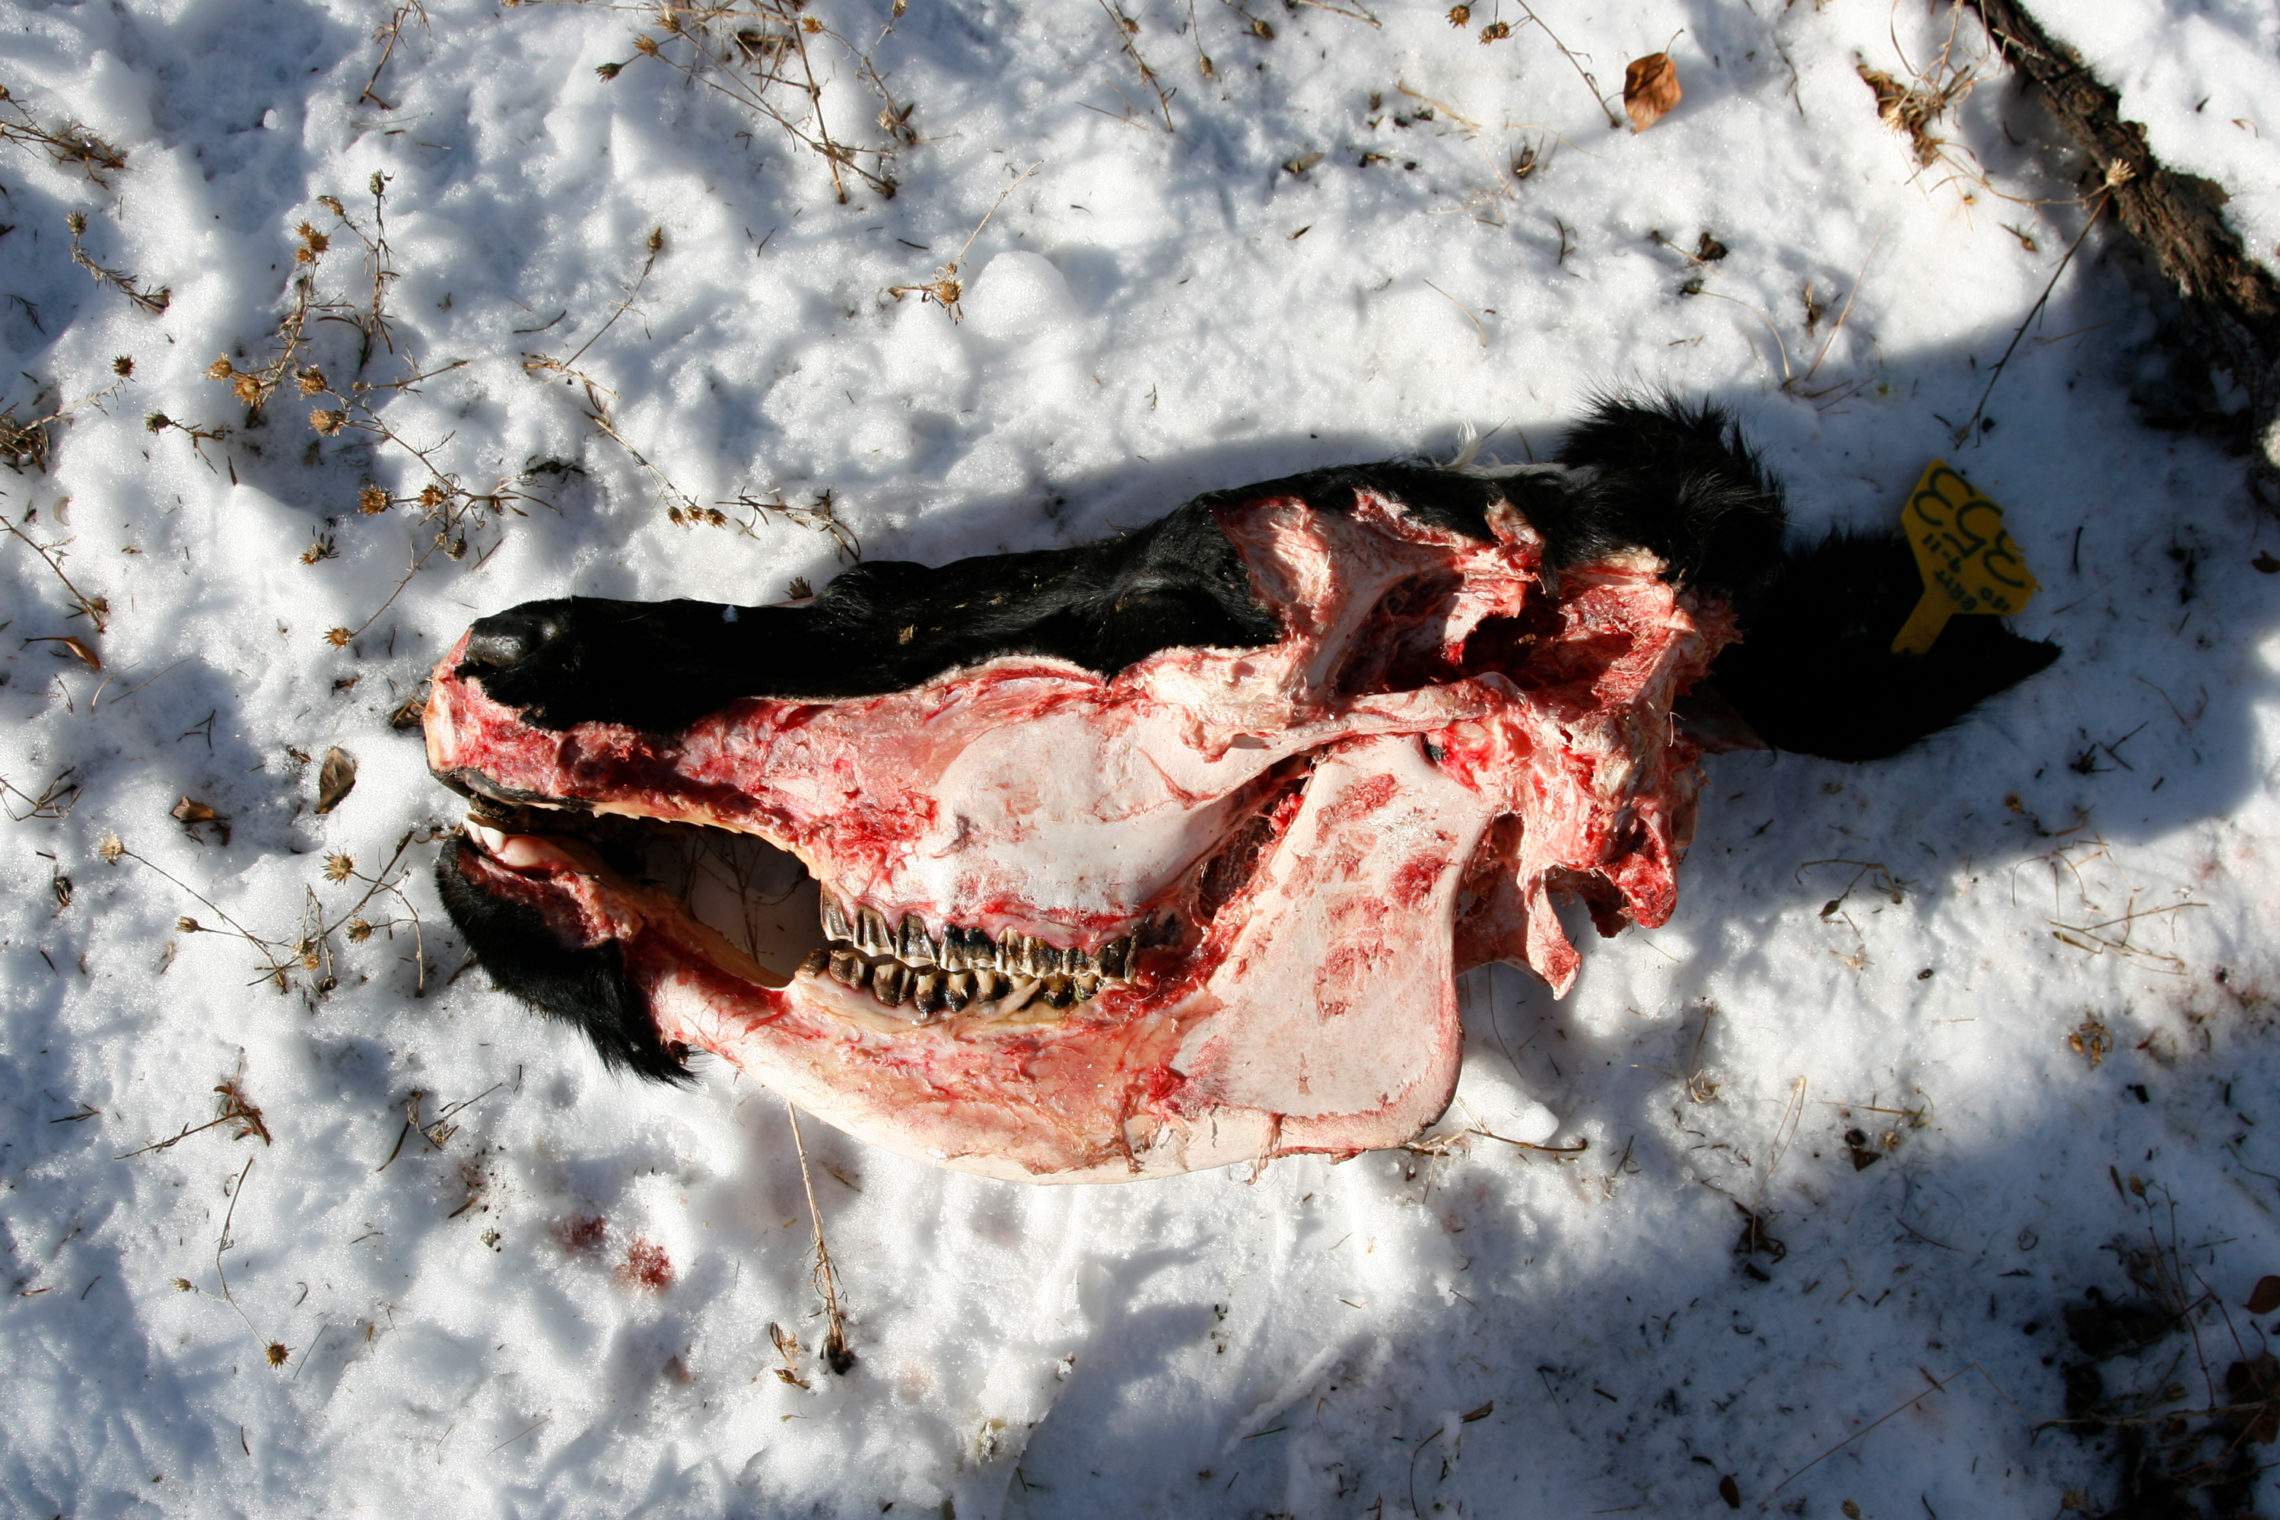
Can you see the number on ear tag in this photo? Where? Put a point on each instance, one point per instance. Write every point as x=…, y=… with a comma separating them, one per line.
x=1968, y=562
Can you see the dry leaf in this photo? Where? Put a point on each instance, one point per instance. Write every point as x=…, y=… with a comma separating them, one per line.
x=188, y=810
x=1650, y=89
x=1728, y=1489
x=336, y=778
x=77, y=646
x=2265, y=1297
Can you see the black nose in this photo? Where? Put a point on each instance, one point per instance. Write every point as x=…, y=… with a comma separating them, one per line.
x=508, y=638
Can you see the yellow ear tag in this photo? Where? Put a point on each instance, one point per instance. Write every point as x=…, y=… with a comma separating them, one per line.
x=1968, y=562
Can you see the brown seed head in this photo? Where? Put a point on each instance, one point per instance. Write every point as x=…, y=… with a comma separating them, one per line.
x=371, y=500
x=187, y=925
x=221, y=369
x=247, y=388
x=278, y=1353
x=123, y=366
x=76, y=221
x=645, y=44
x=609, y=70
x=157, y=422
x=110, y=849
x=1460, y=15
x=338, y=637
x=339, y=866
x=312, y=380
x=328, y=422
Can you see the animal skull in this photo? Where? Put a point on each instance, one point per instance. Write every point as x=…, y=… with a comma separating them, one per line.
x=1130, y=860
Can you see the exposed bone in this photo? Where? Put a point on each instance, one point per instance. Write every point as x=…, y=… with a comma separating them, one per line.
x=1303, y=1005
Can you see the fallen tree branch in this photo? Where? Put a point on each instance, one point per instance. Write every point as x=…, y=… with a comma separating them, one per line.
x=2232, y=302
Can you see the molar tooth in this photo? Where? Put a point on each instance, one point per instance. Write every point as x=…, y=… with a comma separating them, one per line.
x=916, y=948
x=890, y=983
x=957, y=990
x=815, y=962
x=1086, y=987
x=834, y=914
x=1058, y=992
x=952, y=956
x=1116, y=957
x=926, y=991
x=847, y=968
x=872, y=935
x=988, y=984
x=1018, y=996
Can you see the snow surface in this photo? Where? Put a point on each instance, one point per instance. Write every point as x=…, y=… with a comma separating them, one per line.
x=1496, y=1331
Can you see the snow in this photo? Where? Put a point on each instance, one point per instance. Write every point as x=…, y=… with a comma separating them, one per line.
x=1496, y=1331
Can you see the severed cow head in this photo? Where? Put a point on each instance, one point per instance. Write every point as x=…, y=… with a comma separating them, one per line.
x=1162, y=852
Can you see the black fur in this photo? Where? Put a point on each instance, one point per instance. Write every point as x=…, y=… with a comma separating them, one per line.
x=1815, y=671
x=587, y=988
x=883, y=626
x=1690, y=492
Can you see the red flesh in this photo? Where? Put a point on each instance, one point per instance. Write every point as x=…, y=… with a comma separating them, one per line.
x=1310, y=1005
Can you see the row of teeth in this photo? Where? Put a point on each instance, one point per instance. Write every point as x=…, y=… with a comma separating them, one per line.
x=964, y=966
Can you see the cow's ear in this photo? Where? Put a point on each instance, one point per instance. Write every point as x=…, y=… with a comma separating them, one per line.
x=1814, y=670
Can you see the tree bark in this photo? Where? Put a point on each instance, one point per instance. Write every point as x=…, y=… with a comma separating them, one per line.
x=2231, y=301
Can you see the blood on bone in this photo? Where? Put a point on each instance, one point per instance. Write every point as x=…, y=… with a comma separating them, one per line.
x=1026, y=794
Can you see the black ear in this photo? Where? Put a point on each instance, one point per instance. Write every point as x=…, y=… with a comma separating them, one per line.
x=584, y=987
x=1815, y=672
